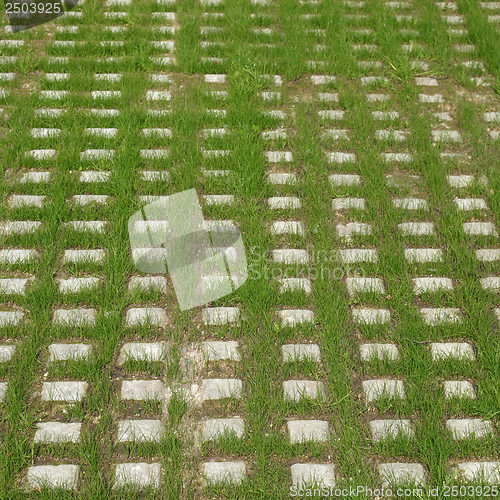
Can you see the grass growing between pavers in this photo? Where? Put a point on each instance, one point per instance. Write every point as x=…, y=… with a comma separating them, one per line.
x=254, y=115
x=484, y=36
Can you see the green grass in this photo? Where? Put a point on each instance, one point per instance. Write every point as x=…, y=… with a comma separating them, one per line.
x=484, y=35
x=327, y=37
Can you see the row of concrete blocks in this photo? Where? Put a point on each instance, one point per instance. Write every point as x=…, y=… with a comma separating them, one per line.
x=149, y=475
x=273, y=134
x=275, y=202
x=158, y=284
x=294, y=390
x=219, y=350
x=277, y=228
x=273, y=157
x=157, y=317
x=286, y=256
x=459, y=181
x=228, y=351
x=299, y=431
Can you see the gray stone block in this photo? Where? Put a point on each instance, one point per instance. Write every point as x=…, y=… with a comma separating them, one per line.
x=6, y=353
x=295, y=390
x=215, y=428
x=137, y=475
x=364, y=285
x=488, y=254
x=378, y=351
x=142, y=390
x=290, y=256
x=35, y=177
x=491, y=283
x=52, y=476
x=11, y=318
x=294, y=317
x=77, y=285
x=140, y=316
x=213, y=316
x=457, y=350
x=417, y=228
x=352, y=255
x=66, y=352
x=470, y=204
x=458, y=389
x=302, y=431
x=13, y=286
x=446, y=136
x=8, y=228
x=288, y=227
x=25, y=200
x=279, y=156
x=140, y=431
x=344, y=179
x=377, y=388
x=331, y=114
x=217, y=350
x=142, y=351
x=460, y=181
x=65, y=391
x=281, y=179
x=390, y=429
x=224, y=472
x=463, y=428
x=87, y=226
x=339, y=157
x=348, y=204
x=397, y=473
x=220, y=388
x=78, y=256
x=85, y=200
x=322, y=475
x=431, y=284
x=301, y=352
x=439, y=316
x=74, y=317
x=371, y=316
x=410, y=204
x=3, y=391
x=350, y=229
x=148, y=283
x=284, y=202
x=57, y=432
x=423, y=255
x=92, y=176
x=295, y=284
x=397, y=157
x=480, y=229
x=17, y=256
x=485, y=472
